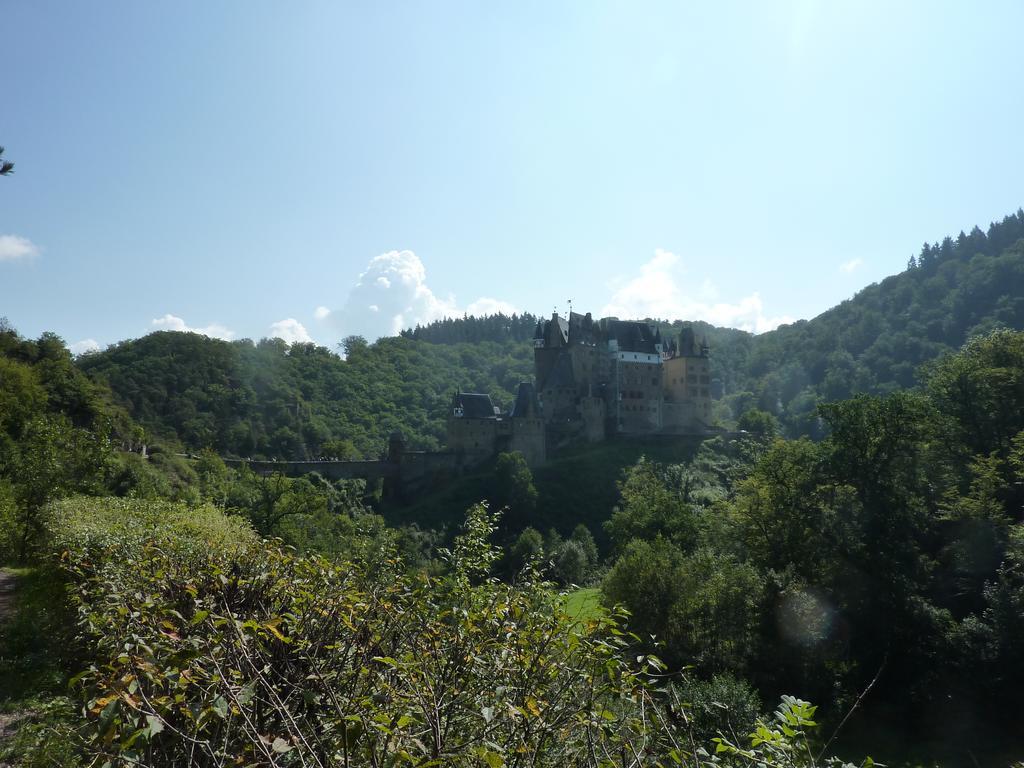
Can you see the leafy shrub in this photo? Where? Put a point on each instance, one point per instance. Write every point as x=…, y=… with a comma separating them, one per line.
x=211, y=644
x=721, y=705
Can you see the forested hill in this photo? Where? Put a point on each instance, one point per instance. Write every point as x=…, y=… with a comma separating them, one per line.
x=266, y=399
x=730, y=346
x=269, y=399
x=499, y=327
x=876, y=341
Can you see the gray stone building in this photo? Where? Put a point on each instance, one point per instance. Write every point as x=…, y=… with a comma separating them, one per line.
x=592, y=379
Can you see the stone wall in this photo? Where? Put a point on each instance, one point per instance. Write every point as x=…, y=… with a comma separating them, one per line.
x=638, y=390
x=529, y=437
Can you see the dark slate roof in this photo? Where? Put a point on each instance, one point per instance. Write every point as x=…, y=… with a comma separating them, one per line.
x=561, y=373
x=561, y=327
x=473, y=405
x=686, y=345
x=555, y=331
x=631, y=335
x=526, y=406
x=581, y=329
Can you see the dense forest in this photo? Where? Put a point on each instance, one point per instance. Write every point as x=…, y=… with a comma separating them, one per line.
x=878, y=572
x=876, y=341
x=887, y=555
x=269, y=399
x=499, y=328
x=872, y=343
x=860, y=545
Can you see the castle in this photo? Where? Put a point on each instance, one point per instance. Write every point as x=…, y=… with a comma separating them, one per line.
x=592, y=379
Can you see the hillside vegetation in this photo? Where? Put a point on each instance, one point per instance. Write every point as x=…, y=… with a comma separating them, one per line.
x=876, y=341
x=234, y=651
x=877, y=568
x=267, y=399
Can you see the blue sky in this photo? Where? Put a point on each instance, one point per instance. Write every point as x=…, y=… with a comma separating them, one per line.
x=314, y=169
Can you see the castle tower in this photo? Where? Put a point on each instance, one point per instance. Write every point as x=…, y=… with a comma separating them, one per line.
x=473, y=425
x=688, y=384
x=634, y=392
x=528, y=435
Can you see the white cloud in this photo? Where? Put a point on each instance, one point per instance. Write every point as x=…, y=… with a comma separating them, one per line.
x=14, y=247
x=392, y=294
x=170, y=322
x=656, y=293
x=849, y=266
x=290, y=330
x=83, y=346
x=488, y=306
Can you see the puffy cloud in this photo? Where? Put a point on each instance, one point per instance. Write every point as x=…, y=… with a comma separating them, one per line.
x=170, y=322
x=14, y=247
x=849, y=266
x=83, y=346
x=392, y=294
x=656, y=293
x=290, y=330
x=488, y=306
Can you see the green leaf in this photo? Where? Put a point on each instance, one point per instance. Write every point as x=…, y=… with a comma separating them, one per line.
x=155, y=725
x=246, y=694
x=220, y=707
x=107, y=715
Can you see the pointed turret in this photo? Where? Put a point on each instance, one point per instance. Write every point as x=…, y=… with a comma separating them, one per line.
x=526, y=405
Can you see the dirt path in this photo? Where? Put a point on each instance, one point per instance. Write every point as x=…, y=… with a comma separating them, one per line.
x=7, y=584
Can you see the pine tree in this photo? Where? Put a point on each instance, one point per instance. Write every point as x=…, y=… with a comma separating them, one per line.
x=6, y=167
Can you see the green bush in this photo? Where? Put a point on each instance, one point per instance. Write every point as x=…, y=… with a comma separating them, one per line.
x=209, y=643
x=210, y=646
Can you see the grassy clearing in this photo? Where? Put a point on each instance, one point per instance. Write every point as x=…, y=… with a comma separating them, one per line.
x=584, y=604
